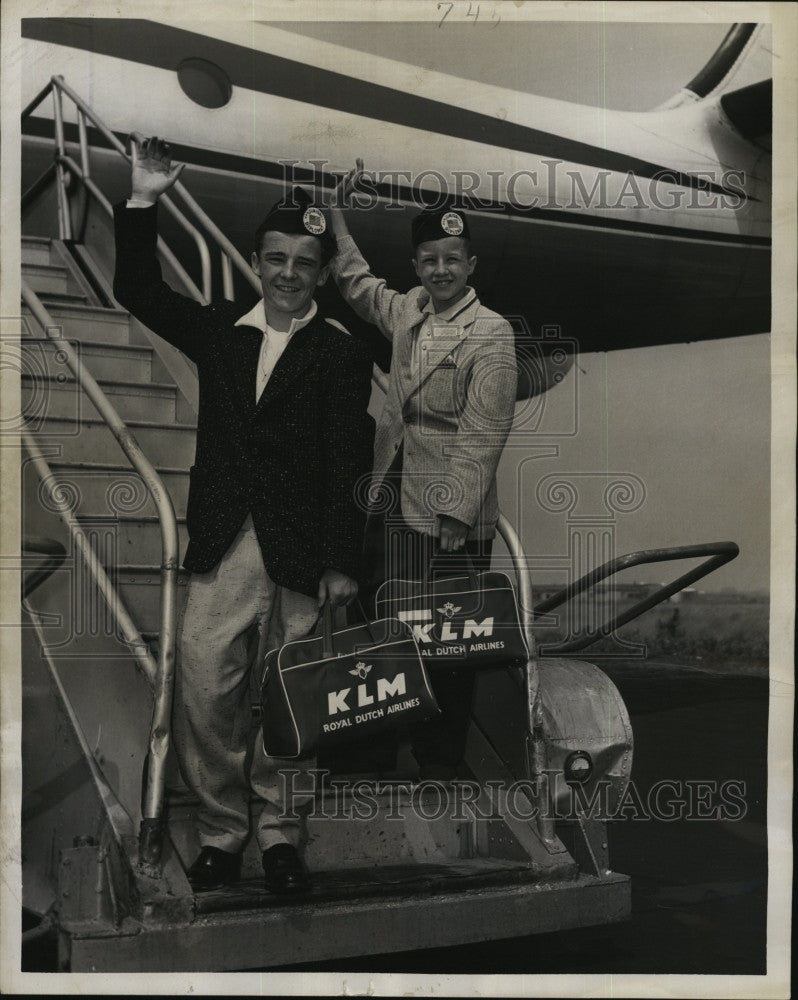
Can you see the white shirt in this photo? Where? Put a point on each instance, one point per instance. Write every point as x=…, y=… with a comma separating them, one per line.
x=274, y=341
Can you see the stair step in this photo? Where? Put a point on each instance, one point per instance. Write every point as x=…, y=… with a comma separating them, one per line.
x=346, y=836
x=138, y=539
x=115, y=488
x=36, y=250
x=131, y=400
x=165, y=444
x=59, y=300
x=87, y=324
x=141, y=594
x=47, y=279
x=379, y=824
x=128, y=362
x=363, y=883
x=119, y=540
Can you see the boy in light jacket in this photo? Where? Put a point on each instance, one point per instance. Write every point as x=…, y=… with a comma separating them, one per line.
x=447, y=414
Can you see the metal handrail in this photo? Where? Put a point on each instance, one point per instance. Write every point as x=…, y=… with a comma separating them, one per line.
x=151, y=835
x=58, y=86
x=228, y=250
x=535, y=756
x=229, y=254
x=130, y=633
x=108, y=135
x=523, y=575
x=718, y=553
x=167, y=254
x=64, y=217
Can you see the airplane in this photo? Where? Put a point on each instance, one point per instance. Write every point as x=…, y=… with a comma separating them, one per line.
x=663, y=216
x=597, y=231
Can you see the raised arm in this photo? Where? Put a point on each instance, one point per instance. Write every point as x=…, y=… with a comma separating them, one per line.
x=368, y=295
x=138, y=284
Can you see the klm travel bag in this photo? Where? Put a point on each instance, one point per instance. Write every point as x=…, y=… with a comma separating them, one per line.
x=470, y=620
x=336, y=687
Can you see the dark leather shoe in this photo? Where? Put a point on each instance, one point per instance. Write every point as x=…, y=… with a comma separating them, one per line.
x=213, y=869
x=284, y=871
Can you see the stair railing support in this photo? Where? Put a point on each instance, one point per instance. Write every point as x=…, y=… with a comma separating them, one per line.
x=152, y=824
x=64, y=219
x=535, y=742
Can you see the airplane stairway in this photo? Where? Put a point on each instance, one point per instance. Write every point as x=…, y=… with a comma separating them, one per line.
x=113, y=500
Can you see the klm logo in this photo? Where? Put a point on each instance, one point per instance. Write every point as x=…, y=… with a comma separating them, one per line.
x=362, y=670
x=422, y=624
x=337, y=700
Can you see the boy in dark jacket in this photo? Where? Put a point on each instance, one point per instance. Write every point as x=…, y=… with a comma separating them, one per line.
x=283, y=435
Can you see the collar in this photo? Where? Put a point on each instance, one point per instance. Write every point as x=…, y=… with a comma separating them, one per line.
x=454, y=311
x=257, y=317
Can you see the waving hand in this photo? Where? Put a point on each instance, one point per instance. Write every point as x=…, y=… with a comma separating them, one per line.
x=152, y=172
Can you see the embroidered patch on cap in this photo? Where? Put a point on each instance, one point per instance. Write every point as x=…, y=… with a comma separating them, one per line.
x=314, y=221
x=452, y=223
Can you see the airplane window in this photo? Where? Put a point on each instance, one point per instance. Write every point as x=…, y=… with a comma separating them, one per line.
x=204, y=82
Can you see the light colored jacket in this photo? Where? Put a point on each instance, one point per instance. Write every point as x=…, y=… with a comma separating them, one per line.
x=450, y=402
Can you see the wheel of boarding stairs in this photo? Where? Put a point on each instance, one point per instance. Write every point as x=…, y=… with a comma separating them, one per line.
x=587, y=732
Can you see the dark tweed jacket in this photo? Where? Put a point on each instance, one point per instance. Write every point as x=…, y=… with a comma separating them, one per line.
x=293, y=459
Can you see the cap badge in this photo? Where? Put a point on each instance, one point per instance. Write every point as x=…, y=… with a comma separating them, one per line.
x=452, y=223
x=313, y=220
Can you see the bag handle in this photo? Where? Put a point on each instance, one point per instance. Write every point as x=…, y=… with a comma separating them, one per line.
x=328, y=645
x=328, y=649
x=440, y=557
x=366, y=620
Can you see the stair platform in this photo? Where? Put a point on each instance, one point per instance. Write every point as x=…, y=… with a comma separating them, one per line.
x=359, y=916
x=364, y=883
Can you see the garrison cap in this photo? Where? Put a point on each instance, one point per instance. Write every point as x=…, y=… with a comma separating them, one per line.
x=438, y=223
x=296, y=214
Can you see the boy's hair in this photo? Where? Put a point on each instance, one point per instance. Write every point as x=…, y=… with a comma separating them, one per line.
x=466, y=243
x=327, y=242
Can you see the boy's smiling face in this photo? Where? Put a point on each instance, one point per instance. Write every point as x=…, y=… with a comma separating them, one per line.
x=289, y=267
x=443, y=267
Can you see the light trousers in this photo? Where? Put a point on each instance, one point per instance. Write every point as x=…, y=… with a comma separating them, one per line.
x=232, y=616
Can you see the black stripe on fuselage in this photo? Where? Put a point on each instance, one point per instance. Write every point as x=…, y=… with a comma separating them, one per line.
x=165, y=46
x=272, y=170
